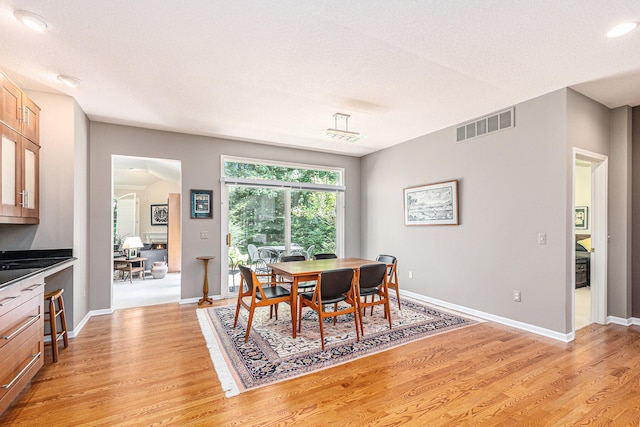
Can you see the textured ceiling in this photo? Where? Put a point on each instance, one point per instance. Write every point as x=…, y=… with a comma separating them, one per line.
x=275, y=71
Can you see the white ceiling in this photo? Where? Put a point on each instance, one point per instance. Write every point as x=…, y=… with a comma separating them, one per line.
x=275, y=71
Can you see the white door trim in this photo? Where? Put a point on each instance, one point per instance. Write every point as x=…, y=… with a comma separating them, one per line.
x=599, y=239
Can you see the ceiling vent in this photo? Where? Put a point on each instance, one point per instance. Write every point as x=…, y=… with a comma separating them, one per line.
x=486, y=125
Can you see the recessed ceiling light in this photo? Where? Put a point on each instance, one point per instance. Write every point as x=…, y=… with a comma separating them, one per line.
x=622, y=29
x=31, y=20
x=69, y=81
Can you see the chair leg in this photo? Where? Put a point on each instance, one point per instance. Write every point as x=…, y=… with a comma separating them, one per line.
x=398, y=297
x=246, y=336
x=321, y=327
x=335, y=318
x=387, y=312
x=235, y=319
x=54, y=332
x=63, y=323
x=355, y=319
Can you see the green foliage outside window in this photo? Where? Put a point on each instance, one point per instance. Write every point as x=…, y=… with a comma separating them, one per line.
x=257, y=215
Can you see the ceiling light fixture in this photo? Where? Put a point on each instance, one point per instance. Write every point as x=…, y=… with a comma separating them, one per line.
x=31, y=20
x=622, y=29
x=69, y=81
x=339, y=134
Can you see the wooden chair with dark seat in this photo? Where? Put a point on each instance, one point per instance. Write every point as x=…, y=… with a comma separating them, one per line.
x=260, y=294
x=392, y=273
x=325, y=256
x=372, y=282
x=333, y=286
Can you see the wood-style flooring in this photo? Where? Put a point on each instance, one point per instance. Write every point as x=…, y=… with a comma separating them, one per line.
x=150, y=366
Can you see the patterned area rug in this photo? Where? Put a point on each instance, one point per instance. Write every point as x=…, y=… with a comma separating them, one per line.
x=272, y=355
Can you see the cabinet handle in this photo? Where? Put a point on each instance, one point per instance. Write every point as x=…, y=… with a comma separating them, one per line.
x=34, y=358
x=31, y=320
x=34, y=287
x=28, y=113
x=22, y=203
x=7, y=299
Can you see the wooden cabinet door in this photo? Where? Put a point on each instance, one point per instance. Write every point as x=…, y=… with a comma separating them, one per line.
x=10, y=173
x=30, y=119
x=30, y=179
x=11, y=97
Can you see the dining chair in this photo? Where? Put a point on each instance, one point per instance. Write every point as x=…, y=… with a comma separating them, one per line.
x=333, y=286
x=325, y=256
x=372, y=281
x=392, y=274
x=260, y=294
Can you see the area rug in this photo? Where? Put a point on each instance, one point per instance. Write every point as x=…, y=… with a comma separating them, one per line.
x=272, y=355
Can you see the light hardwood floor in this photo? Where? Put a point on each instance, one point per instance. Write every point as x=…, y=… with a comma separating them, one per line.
x=150, y=366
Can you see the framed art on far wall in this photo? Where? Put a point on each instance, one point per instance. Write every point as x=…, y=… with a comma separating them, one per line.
x=201, y=203
x=582, y=217
x=159, y=214
x=432, y=204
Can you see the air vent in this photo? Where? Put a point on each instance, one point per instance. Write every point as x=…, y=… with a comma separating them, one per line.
x=486, y=125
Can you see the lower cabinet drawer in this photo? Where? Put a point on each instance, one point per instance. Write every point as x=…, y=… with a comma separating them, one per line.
x=14, y=323
x=19, y=368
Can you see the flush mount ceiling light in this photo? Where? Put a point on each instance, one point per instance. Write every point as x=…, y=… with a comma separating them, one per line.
x=31, y=20
x=339, y=134
x=622, y=29
x=69, y=81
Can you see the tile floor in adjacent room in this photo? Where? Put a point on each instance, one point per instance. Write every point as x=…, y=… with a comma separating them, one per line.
x=146, y=292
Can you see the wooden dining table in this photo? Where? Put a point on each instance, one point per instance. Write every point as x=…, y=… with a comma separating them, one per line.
x=304, y=271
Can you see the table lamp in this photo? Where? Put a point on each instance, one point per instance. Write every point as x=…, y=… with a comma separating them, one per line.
x=131, y=245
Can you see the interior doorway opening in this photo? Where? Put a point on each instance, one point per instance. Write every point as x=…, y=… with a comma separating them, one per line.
x=590, y=201
x=145, y=231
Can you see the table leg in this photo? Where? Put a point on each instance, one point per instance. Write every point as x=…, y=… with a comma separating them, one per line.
x=294, y=305
x=205, y=286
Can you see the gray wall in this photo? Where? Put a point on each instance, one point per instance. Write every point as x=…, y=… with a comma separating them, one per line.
x=200, y=158
x=512, y=185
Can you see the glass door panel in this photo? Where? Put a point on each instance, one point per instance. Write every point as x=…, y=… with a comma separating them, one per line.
x=257, y=228
x=313, y=222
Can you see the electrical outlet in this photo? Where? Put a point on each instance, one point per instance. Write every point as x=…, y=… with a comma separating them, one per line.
x=204, y=234
x=517, y=297
x=410, y=274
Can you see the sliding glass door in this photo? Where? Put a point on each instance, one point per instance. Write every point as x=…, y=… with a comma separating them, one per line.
x=266, y=219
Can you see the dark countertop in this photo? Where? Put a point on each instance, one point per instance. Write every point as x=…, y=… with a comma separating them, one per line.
x=19, y=265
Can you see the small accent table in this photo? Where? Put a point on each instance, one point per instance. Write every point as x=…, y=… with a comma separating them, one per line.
x=205, y=286
x=126, y=266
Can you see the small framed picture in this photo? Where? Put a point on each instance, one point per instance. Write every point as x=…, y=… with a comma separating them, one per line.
x=159, y=214
x=431, y=204
x=582, y=217
x=201, y=203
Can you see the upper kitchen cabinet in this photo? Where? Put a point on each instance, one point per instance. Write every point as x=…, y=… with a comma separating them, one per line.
x=19, y=156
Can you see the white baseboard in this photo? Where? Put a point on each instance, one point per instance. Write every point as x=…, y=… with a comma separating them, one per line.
x=635, y=321
x=189, y=300
x=620, y=320
x=493, y=318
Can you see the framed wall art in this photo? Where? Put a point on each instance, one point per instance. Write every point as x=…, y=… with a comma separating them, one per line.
x=159, y=214
x=201, y=203
x=582, y=217
x=432, y=204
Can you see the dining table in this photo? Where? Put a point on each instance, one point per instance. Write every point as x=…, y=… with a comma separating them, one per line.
x=304, y=271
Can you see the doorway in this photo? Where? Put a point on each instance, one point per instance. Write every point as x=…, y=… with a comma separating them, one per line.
x=144, y=191
x=590, y=201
